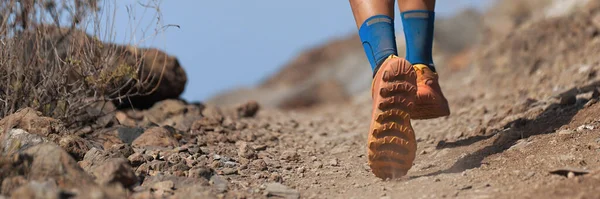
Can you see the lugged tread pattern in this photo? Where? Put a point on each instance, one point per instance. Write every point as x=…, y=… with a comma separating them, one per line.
x=391, y=144
x=397, y=88
x=397, y=102
x=393, y=129
x=391, y=116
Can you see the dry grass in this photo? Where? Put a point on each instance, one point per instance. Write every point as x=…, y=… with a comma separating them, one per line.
x=49, y=64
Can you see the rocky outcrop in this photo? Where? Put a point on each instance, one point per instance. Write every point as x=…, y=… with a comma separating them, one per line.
x=151, y=74
x=154, y=64
x=32, y=121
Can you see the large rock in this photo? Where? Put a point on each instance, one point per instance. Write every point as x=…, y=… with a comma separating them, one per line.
x=175, y=113
x=10, y=184
x=28, y=127
x=95, y=158
x=47, y=171
x=162, y=70
x=277, y=189
x=49, y=190
x=75, y=145
x=37, y=189
x=17, y=140
x=97, y=192
x=161, y=75
x=107, y=138
x=248, y=109
x=52, y=162
x=115, y=170
x=33, y=122
x=165, y=109
x=156, y=137
x=194, y=192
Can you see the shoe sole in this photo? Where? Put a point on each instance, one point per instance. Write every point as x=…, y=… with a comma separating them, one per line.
x=391, y=144
x=429, y=111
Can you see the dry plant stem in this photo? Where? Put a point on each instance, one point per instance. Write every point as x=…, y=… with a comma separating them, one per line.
x=49, y=64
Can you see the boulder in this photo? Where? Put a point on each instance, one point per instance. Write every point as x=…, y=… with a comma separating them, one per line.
x=160, y=74
x=155, y=64
x=156, y=137
x=115, y=171
x=33, y=122
x=17, y=140
x=52, y=162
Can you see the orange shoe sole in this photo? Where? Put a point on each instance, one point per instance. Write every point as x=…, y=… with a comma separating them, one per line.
x=430, y=111
x=391, y=142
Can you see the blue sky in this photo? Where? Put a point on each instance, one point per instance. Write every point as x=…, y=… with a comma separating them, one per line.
x=226, y=44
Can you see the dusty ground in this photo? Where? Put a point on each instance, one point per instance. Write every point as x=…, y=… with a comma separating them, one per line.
x=525, y=123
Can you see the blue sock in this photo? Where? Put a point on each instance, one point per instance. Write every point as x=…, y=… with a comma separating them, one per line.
x=378, y=39
x=418, y=33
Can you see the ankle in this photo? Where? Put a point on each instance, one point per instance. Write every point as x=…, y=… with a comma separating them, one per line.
x=378, y=38
x=418, y=32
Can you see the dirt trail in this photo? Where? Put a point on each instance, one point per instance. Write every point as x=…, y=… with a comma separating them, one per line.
x=458, y=156
x=490, y=147
x=525, y=108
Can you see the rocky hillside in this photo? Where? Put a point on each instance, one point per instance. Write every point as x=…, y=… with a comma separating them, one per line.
x=337, y=71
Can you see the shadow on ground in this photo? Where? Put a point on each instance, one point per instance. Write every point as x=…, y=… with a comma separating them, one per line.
x=552, y=118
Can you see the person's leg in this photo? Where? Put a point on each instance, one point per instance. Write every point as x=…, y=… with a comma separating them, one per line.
x=364, y=9
x=375, y=22
x=407, y=5
x=391, y=142
x=418, y=19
